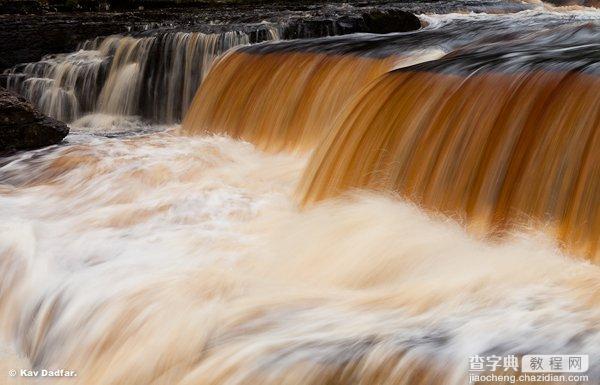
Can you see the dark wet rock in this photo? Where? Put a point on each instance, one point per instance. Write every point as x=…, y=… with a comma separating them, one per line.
x=390, y=20
x=585, y=3
x=26, y=38
x=23, y=7
x=327, y=20
x=369, y=19
x=24, y=127
x=312, y=28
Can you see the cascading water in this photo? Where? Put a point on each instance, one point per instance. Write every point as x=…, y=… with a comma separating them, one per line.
x=485, y=134
x=313, y=88
x=60, y=85
x=154, y=77
x=498, y=133
x=156, y=258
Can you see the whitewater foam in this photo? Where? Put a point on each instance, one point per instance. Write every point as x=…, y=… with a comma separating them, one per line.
x=159, y=259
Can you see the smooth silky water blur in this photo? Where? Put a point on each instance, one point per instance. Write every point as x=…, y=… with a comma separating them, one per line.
x=133, y=254
x=161, y=259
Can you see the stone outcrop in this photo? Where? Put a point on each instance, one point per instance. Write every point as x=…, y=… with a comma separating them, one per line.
x=24, y=127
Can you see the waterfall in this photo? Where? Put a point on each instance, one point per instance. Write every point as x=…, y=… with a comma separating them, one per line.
x=154, y=77
x=496, y=140
x=284, y=100
x=273, y=106
x=494, y=149
x=359, y=210
x=62, y=86
x=120, y=92
x=184, y=61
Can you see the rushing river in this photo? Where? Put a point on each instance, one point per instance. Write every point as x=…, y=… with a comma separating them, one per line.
x=287, y=233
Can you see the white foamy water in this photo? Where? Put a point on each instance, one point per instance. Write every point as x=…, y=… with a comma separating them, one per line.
x=162, y=259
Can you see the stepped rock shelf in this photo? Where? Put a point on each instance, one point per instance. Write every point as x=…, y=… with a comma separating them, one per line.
x=63, y=31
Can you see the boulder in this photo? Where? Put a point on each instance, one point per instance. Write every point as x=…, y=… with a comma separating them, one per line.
x=23, y=127
x=391, y=20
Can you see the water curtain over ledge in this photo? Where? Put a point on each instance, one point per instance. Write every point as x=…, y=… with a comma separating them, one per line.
x=155, y=77
x=280, y=101
x=498, y=135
